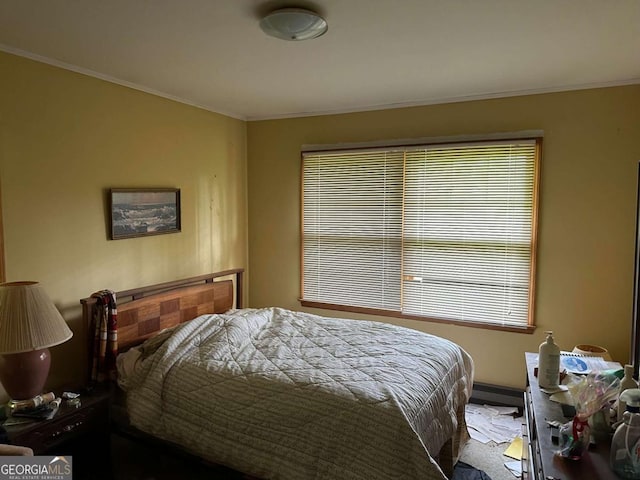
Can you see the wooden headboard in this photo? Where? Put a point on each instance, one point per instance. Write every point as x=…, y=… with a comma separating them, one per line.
x=144, y=311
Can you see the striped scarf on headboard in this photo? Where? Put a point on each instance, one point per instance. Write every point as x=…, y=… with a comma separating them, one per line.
x=105, y=337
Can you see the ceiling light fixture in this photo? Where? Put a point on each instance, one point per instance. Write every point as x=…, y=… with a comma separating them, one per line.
x=293, y=24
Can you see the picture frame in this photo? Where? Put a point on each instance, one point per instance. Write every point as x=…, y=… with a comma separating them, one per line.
x=140, y=212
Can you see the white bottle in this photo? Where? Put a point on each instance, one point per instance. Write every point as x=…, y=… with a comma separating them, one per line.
x=548, y=363
x=625, y=445
x=626, y=383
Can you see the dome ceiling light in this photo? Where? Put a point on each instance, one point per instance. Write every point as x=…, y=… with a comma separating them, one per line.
x=293, y=24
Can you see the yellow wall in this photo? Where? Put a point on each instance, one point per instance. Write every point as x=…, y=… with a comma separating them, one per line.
x=586, y=225
x=64, y=139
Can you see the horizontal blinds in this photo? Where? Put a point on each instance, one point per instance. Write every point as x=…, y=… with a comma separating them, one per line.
x=443, y=231
x=352, y=227
x=467, y=232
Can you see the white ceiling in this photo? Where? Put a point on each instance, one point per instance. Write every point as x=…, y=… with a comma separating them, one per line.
x=376, y=54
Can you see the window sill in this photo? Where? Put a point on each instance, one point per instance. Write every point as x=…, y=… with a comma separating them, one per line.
x=528, y=329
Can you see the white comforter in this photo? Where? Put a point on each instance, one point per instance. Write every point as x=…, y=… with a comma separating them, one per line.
x=289, y=395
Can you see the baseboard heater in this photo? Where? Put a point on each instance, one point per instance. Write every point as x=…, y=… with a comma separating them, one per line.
x=484, y=393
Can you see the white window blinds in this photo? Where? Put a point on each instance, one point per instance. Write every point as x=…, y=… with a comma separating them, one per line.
x=438, y=231
x=352, y=240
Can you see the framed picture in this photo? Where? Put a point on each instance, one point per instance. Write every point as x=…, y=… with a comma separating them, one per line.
x=137, y=212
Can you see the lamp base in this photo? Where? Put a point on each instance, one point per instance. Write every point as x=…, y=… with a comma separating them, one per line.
x=23, y=375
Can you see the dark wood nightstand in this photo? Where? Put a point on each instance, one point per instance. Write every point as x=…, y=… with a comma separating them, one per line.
x=82, y=431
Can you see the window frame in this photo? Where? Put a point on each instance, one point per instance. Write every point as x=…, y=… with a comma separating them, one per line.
x=530, y=327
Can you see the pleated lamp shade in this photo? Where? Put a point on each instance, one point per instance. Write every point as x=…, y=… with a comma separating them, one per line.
x=28, y=319
x=29, y=324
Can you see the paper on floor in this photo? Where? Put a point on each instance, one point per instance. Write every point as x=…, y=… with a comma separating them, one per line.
x=489, y=423
x=515, y=468
x=515, y=449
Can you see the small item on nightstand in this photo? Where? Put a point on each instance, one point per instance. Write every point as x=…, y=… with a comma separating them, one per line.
x=72, y=399
x=42, y=412
x=35, y=402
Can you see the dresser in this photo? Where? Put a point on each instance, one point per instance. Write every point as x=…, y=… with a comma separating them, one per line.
x=539, y=460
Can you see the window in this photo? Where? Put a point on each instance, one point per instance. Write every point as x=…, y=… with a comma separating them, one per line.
x=444, y=232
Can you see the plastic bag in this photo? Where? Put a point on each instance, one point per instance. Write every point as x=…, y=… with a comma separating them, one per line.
x=593, y=392
x=590, y=395
x=574, y=438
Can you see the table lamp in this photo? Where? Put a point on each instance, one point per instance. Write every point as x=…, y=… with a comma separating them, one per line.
x=29, y=324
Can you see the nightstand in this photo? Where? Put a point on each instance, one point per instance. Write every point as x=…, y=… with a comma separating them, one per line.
x=81, y=431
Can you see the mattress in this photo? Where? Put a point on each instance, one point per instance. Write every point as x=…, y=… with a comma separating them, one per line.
x=279, y=394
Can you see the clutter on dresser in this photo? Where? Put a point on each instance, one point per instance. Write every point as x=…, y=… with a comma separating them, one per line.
x=592, y=351
x=579, y=363
x=626, y=383
x=544, y=419
x=592, y=396
x=593, y=386
x=549, y=363
x=625, y=445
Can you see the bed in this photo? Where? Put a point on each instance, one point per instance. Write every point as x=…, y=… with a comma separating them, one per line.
x=275, y=393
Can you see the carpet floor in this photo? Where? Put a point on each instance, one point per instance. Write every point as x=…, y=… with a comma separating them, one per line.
x=135, y=461
x=488, y=458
